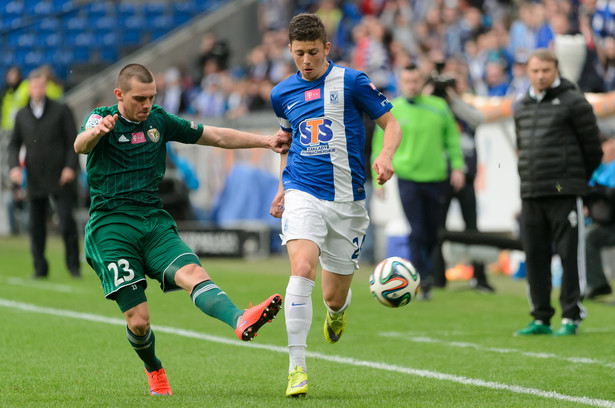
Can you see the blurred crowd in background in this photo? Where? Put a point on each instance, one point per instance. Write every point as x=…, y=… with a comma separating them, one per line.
x=484, y=42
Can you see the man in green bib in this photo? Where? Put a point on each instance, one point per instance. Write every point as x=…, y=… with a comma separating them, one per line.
x=129, y=236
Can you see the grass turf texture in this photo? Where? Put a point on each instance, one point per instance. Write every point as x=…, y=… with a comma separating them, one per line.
x=454, y=351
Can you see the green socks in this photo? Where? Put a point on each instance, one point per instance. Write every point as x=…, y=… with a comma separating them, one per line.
x=212, y=301
x=145, y=346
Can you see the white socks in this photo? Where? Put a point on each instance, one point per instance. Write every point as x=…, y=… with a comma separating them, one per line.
x=298, y=314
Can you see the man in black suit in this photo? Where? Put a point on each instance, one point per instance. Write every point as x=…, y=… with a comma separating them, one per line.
x=47, y=130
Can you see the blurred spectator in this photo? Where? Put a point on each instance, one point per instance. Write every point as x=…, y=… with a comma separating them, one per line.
x=453, y=32
x=212, y=50
x=601, y=209
x=519, y=83
x=45, y=126
x=260, y=95
x=602, y=15
x=522, y=32
x=330, y=15
x=496, y=79
x=371, y=53
x=211, y=101
x=351, y=17
x=279, y=60
x=273, y=14
x=545, y=33
x=591, y=80
x=492, y=51
x=471, y=24
x=14, y=96
x=475, y=67
x=489, y=64
x=258, y=65
x=608, y=64
x=397, y=16
x=171, y=94
x=238, y=99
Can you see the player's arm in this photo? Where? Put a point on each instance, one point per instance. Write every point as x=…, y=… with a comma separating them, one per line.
x=277, y=204
x=88, y=139
x=383, y=164
x=228, y=138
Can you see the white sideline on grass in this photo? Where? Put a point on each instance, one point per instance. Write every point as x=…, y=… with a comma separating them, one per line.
x=421, y=339
x=336, y=359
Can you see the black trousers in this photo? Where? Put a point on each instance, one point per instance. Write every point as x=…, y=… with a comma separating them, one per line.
x=547, y=223
x=423, y=205
x=64, y=202
x=466, y=197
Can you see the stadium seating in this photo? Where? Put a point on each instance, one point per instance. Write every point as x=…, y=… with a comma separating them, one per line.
x=62, y=33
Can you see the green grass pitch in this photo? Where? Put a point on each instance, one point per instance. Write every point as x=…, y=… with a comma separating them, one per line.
x=63, y=345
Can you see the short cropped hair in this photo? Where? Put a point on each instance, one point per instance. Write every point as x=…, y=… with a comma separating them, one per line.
x=130, y=71
x=38, y=73
x=544, y=54
x=307, y=27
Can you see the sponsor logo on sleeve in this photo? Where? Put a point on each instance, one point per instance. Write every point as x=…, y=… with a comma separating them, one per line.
x=93, y=121
x=193, y=125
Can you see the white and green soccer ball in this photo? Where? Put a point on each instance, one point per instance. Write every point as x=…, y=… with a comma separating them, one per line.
x=394, y=282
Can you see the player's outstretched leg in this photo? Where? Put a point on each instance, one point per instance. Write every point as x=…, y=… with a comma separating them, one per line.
x=158, y=383
x=256, y=316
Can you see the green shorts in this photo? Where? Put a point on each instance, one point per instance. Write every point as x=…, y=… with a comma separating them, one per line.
x=126, y=245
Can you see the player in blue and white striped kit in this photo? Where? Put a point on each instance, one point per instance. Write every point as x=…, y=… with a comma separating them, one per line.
x=321, y=197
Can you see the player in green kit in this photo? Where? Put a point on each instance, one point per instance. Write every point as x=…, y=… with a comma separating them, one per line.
x=129, y=236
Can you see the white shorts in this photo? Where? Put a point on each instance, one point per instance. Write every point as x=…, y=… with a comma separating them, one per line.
x=337, y=228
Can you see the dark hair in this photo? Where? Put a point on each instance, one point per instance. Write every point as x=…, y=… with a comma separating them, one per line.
x=307, y=27
x=130, y=71
x=544, y=54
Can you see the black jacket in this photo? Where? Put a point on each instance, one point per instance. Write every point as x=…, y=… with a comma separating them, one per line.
x=558, y=143
x=49, y=146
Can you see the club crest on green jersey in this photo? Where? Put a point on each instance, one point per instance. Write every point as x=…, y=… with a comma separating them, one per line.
x=154, y=135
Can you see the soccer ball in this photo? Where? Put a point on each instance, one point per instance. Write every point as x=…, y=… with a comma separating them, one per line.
x=394, y=282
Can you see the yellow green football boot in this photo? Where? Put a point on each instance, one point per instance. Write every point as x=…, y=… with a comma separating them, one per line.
x=297, y=383
x=334, y=327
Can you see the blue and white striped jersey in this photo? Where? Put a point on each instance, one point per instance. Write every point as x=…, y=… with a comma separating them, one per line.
x=326, y=158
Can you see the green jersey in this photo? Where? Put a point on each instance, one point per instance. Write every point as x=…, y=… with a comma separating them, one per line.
x=430, y=136
x=128, y=164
